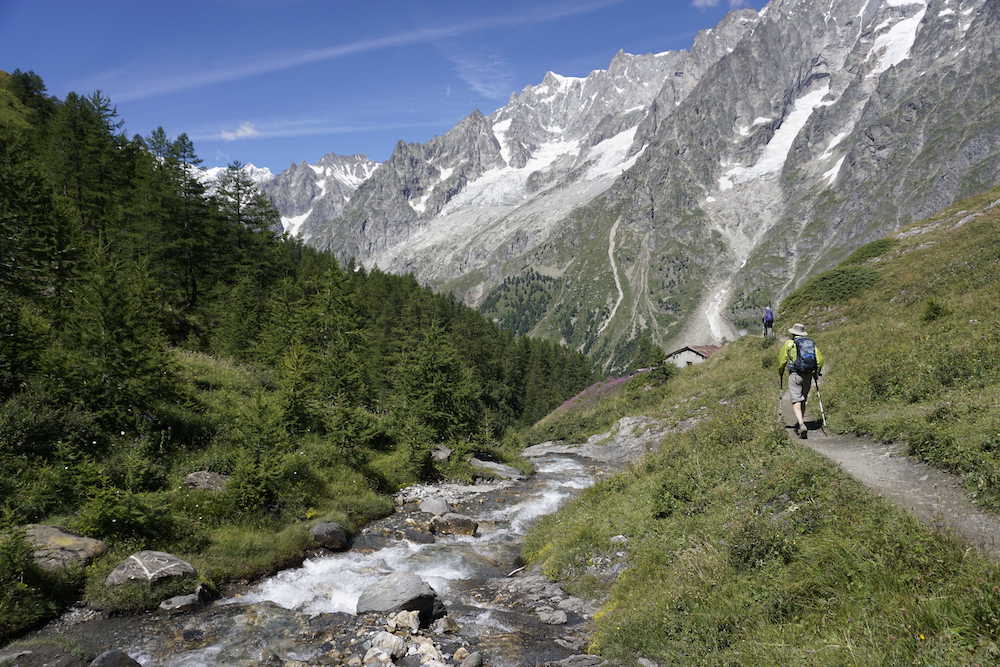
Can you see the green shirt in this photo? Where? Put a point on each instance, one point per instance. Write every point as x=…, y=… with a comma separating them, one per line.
x=788, y=354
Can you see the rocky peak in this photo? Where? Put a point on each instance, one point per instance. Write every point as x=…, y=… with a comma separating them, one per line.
x=671, y=190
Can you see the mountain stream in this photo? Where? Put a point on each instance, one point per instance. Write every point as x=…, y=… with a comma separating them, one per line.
x=306, y=615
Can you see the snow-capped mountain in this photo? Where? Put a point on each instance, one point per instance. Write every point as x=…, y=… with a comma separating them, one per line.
x=317, y=191
x=675, y=192
x=260, y=175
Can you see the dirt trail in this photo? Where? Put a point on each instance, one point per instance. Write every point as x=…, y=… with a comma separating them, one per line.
x=935, y=497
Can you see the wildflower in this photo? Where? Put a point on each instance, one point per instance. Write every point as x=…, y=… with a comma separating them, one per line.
x=921, y=637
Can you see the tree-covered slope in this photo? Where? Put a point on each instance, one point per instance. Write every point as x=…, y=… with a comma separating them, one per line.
x=151, y=326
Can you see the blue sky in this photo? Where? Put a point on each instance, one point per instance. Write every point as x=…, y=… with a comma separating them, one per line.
x=272, y=82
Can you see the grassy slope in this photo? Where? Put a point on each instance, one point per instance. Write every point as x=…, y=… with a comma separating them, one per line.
x=745, y=548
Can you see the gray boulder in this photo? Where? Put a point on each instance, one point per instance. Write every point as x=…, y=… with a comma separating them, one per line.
x=434, y=505
x=206, y=481
x=149, y=566
x=330, y=535
x=496, y=469
x=114, y=658
x=402, y=591
x=454, y=524
x=56, y=549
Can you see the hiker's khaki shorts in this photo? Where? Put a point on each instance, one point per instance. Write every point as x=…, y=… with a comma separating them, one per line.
x=798, y=386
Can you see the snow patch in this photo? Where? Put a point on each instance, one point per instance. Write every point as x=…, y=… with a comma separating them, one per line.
x=831, y=175
x=777, y=149
x=893, y=47
x=500, y=130
x=610, y=155
x=834, y=143
x=505, y=186
x=293, y=223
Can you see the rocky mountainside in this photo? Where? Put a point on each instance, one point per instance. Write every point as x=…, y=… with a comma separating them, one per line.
x=673, y=193
x=305, y=193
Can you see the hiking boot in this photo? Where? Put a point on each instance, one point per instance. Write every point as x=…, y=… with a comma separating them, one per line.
x=802, y=431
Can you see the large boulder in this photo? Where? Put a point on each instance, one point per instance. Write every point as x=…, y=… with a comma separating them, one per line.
x=402, y=591
x=454, y=524
x=56, y=549
x=496, y=469
x=330, y=535
x=149, y=566
x=206, y=480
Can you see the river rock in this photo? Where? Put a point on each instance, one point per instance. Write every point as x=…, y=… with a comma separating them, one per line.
x=441, y=453
x=56, y=549
x=205, y=480
x=150, y=566
x=578, y=661
x=376, y=656
x=402, y=591
x=551, y=616
x=471, y=660
x=454, y=524
x=390, y=643
x=114, y=658
x=497, y=469
x=404, y=620
x=446, y=625
x=181, y=604
x=435, y=505
x=368, y=542
x=427, y=650
x=330, y=535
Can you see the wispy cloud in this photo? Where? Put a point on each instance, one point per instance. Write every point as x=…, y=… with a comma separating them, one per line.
x=303, y=128
x=702, y=4
x=287, y=60
x=246, y=130
x=486, y=73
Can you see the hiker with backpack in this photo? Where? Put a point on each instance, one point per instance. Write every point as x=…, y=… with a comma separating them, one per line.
x=768, y=321
x=804, y=363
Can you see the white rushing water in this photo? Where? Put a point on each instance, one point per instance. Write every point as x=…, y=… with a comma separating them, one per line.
x=334, y=583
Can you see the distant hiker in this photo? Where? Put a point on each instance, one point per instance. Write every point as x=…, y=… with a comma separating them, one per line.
x=768, y=321
x=804, y=362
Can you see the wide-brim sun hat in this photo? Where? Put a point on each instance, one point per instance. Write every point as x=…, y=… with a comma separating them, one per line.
x=798, y=329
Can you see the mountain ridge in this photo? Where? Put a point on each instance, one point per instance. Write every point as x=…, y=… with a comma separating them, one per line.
x=732, y=170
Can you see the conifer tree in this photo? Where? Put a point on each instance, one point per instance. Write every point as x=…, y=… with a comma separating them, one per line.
x=114, y=360
x=435, y=387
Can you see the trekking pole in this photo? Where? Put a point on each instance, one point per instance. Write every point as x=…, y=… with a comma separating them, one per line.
x=819, y=397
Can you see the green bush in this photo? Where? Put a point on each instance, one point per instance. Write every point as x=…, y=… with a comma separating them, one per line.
x=759, y=541
x=115, y=513
x=835, y=286
x=933, y=310
x=870, y=251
